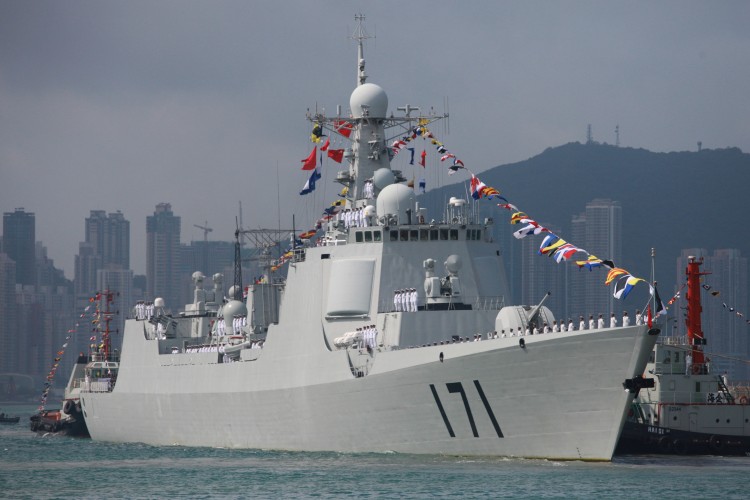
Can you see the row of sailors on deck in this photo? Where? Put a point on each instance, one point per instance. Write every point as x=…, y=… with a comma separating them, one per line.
x=353, y=217
x=368, y=191
x=405, y=300
x=570, y=327
x=144, y=310
x=238, y=323
x=258, y=344
x=369, y=335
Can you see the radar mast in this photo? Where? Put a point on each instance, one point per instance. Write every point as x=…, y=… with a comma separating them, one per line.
x=360, y=35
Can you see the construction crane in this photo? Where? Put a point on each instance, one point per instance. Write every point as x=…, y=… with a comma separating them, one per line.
x=206, y=230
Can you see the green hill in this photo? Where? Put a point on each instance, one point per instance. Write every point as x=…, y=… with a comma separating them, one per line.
x=670, y=201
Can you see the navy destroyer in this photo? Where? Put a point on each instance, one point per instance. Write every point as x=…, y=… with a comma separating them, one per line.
x=371, y=343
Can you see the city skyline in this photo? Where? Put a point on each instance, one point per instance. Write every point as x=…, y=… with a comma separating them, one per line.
x=50, y=306
x=202, y=105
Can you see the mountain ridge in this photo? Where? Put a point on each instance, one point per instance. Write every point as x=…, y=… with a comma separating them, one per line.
x=670, y=201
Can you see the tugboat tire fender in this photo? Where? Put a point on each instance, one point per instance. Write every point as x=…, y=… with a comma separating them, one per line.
x=665, y=444
x=743, y=400
x=68, y=407
x=716, y=443
x=679, y=446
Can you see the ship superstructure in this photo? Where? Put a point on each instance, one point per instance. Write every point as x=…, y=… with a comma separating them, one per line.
x=390, y=333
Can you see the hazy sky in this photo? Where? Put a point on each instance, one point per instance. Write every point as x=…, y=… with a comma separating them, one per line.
x=120, y=105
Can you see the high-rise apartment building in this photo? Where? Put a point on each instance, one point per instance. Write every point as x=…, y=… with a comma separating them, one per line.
x=163, y=256
x=9, y=338
x=598, y=230
x=106, y=245
x=110, y=237
x=19, y=233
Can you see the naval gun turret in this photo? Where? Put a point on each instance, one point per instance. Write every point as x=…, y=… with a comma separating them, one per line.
x=514, y=319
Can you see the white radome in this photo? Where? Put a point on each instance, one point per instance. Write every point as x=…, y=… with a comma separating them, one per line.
x=369, y=97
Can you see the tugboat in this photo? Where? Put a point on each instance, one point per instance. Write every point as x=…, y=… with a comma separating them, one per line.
x=690, y=409
x=100, y=364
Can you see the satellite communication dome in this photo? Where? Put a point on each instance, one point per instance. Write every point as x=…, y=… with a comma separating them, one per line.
x=370, y=100
x=158, y=302
x=369, y=210
x=396, y=199
x=453, y=264
x=233, y=308
x=383, y=177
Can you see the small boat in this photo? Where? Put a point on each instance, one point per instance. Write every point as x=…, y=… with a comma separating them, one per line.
x=7, y=419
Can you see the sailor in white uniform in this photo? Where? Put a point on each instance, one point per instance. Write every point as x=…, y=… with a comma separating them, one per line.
x=625, y=319
x=396, y=300
x=581, y=324
x=546, y=328
x=638, y=317
x=570, y=325
x=413, y=298
x=612, y=321
x=600, y=322
x=592, y=325
x=555, y=327
x=563, y=329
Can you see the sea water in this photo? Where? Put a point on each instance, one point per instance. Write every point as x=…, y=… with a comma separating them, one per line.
x=46, y=466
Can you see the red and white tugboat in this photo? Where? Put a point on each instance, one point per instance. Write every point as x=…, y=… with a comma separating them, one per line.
x=690, y=409
x=100, y=364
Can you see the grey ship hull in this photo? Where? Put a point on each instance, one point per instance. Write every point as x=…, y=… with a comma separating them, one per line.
x=559, y=397
x=309, y=388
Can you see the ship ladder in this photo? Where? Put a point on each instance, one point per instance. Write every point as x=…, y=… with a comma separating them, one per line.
x=725, y=390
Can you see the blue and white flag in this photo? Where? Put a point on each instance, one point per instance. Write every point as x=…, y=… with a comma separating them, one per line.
x=310, y=184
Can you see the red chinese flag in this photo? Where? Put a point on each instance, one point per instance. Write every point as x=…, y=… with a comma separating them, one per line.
x=344, y=128
x=309, y=162
x=336, y=154
x=423, y=156
x=324, y=147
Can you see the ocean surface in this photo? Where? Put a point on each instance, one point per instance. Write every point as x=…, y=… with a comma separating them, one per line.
x=34, y=466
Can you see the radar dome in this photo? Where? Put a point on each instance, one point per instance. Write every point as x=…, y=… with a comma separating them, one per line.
x=233, y=308
x=158, y=302
x=453, y=264
x=396, y=199
x=369, y=100
x=383, y=177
